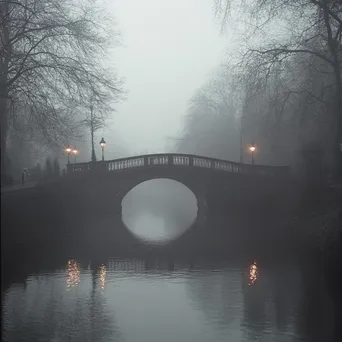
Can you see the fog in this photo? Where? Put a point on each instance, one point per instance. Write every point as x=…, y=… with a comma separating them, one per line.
x=169, y=49
x=253, y=82
x=182, y=79
x=159, y=210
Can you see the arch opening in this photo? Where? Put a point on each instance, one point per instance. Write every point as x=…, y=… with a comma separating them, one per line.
x=159, y=211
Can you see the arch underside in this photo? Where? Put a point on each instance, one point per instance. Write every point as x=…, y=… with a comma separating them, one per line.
x=181, y=222
x=194, y=180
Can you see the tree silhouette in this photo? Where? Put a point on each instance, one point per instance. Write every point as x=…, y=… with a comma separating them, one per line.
x=48, y=167
x=56, y=168
x=51, y=63
x=313, y=34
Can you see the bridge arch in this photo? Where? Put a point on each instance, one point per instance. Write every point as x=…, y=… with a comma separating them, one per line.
x=201, y=175
x=171, y=205
x=186, y=178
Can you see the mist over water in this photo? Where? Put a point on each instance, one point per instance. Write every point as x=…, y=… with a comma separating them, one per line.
x=159, y=210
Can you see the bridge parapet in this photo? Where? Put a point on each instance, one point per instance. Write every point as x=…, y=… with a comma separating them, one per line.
x=179, y=160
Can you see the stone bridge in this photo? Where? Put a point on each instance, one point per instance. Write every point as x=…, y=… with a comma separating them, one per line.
x=214, y=182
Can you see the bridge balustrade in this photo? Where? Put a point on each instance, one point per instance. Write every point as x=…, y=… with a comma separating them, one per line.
x=158, y=160
x=124, y=164
x=181, y=160
x=201, y=162
x=227, y=166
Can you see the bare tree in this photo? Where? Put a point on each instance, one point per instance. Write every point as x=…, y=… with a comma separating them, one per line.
x=99, y=110
x=290, y=108
x=211, y=126
x=312, y=28
x=56, y=168
x=51, y=62
x=281, y=113
x=48, y=167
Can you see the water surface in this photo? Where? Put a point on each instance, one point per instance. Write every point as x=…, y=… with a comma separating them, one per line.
x=224, y=278
x=159, y=300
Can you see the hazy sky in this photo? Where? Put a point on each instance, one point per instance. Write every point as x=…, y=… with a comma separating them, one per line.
x=170, y=48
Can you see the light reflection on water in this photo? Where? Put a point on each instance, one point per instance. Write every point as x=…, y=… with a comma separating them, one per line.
x=72, y=274
x=144, y=302
x=103, y=274
x=253, y=273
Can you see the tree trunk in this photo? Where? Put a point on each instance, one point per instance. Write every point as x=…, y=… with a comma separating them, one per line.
x=6, y=52
x=333, y=45
x=338, y=139
x=4, y=129
x=93, y=155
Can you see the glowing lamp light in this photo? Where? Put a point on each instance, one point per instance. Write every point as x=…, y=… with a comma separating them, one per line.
x=102, y=143
x=74, y=152
x=252, y=149
x=68, y=150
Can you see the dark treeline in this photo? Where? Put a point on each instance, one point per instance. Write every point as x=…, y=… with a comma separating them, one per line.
x=282, y=89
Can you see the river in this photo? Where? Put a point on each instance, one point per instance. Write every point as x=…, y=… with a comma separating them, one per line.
x=154, y=299
x=227, y=279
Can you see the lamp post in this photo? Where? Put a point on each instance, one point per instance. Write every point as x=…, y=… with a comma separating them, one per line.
x=252, y=149
x=241, y=139
x=68, y=150
x=102, y=144
x=74, y=151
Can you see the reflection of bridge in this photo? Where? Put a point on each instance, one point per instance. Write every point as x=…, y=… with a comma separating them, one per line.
x=179, y=160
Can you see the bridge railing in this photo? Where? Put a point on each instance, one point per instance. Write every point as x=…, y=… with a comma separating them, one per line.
x=180, y=160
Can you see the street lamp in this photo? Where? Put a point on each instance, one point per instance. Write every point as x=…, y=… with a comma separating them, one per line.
x=74, y=151
x=252, y=149
x=102, y=144
x=68, y=150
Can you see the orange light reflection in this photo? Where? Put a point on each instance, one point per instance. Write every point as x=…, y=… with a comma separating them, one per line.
x=72, y=274
x=103, y=274
x=253, y=273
